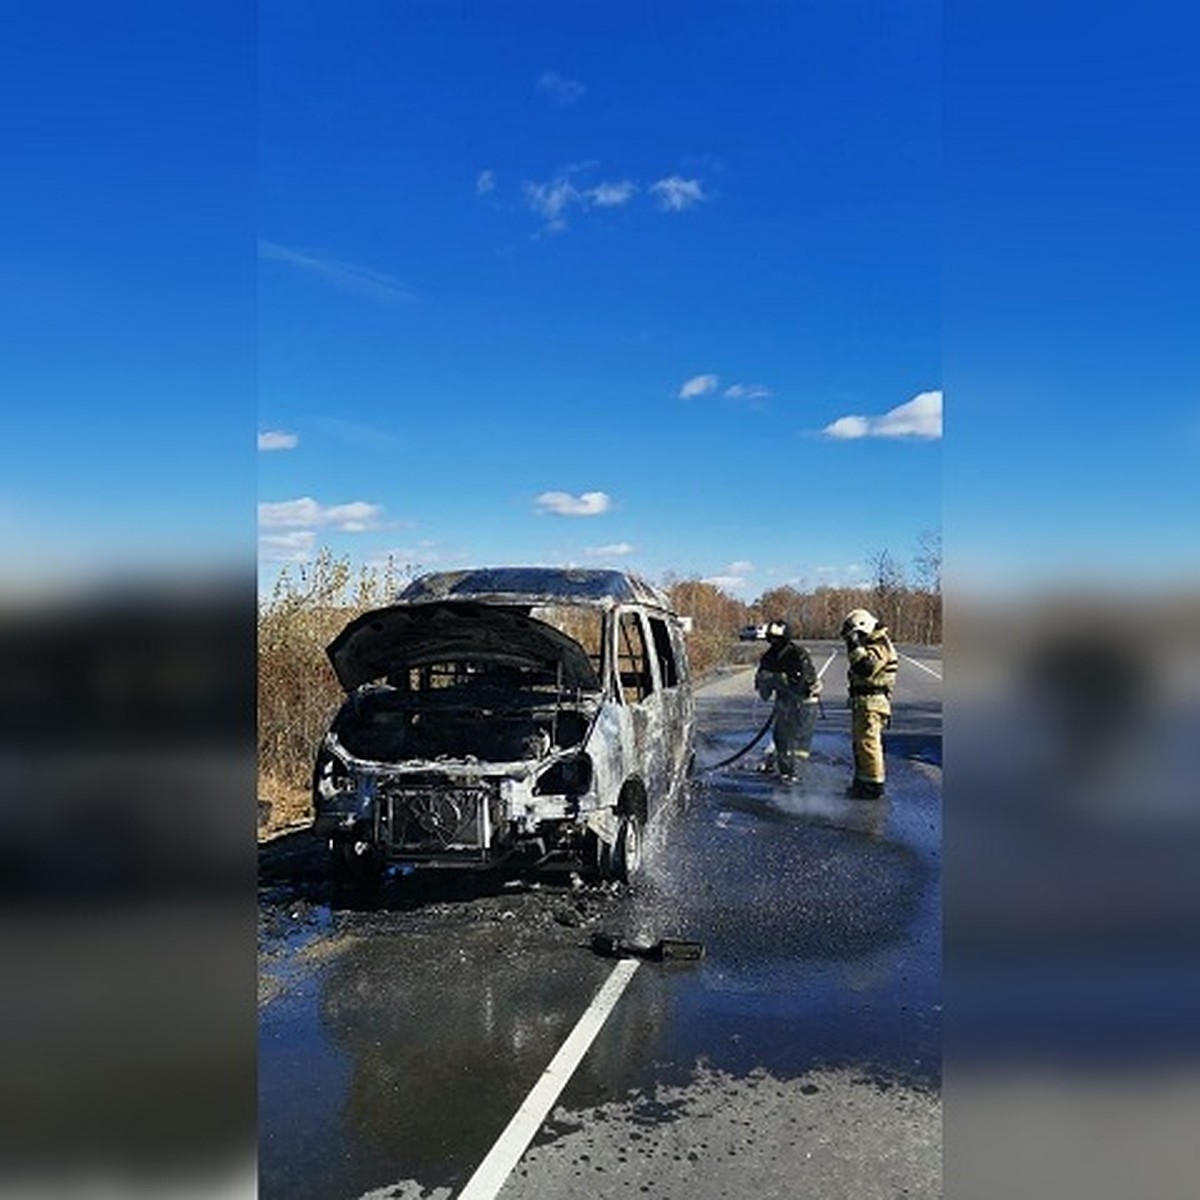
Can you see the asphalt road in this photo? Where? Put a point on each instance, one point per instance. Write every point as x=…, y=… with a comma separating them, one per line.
x=800, y=1056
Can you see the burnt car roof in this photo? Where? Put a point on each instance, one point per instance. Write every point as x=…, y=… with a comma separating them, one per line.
x=535, y=585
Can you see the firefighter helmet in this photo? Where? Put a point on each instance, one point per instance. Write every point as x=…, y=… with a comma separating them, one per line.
x=779, y=631
x=858, y=620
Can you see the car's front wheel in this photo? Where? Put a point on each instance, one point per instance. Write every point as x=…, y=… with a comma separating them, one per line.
x=354, y=861
x=627, y=851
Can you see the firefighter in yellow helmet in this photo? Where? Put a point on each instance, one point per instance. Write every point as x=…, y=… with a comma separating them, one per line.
x=871, y=677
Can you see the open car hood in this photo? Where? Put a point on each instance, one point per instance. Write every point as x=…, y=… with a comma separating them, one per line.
x=388, y=640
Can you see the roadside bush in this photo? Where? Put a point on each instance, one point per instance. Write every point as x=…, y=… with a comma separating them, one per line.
x=716, y=619
x=297, y=689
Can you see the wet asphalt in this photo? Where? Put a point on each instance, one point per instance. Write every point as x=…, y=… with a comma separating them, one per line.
x=400, y=1031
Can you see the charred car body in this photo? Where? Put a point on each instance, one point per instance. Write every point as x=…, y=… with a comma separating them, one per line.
x=504, y=712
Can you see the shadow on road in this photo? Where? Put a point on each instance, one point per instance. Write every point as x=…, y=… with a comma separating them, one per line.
x=297, y=864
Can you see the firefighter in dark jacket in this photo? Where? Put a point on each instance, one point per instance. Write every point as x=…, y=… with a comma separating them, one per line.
x=786, y=672
x=871, y=677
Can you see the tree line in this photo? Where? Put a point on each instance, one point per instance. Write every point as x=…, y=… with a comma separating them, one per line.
x=907, y=601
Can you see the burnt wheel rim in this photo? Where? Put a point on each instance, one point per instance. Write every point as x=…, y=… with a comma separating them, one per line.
x=629, y=842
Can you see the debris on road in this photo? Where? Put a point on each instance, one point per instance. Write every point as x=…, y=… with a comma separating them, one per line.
x=612, y=945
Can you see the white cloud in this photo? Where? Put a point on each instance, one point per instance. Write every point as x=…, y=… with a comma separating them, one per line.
x=550, y=200
x=356, y=517
x=727, y=583
x=920, y=417
x=732, y=578
x=554, y=198
x=612, y=195
x=747, y=391
x=698, y=385
x=614, y=550
x=295, y=547
x=562, y=91
x=848, y=427
x=485, y=182
x=305, y=511
x=347, y=277
x=675, y=194
x=276, y=439
x=563, y=504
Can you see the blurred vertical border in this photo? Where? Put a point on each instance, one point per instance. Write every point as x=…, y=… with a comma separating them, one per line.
x=1072, y=822
x=127, y=488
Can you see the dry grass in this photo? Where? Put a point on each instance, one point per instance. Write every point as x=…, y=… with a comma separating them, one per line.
x=286, y=805
x=297, y=690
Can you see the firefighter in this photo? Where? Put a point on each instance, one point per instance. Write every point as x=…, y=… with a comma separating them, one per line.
x=871, y=677
x=786, y=672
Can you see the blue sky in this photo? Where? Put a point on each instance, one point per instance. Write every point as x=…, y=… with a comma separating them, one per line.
x=468, y=261
x=127, y=298
x=615, y=284
x=1070, y=308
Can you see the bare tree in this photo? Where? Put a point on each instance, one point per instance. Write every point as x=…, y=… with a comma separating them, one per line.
x=928, y=561
x=889, y=588
x=928, y=567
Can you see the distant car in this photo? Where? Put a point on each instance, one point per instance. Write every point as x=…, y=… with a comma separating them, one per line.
x=753, y=633
x=526, y=713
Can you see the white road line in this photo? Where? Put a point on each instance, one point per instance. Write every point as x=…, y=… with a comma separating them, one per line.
x=825, y=665
x=491, y=1174
x=923, y=667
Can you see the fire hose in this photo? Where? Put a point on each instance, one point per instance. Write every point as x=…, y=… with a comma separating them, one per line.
x=758, y=737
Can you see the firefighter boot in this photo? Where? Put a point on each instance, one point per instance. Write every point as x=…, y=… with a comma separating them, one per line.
x=865, y=789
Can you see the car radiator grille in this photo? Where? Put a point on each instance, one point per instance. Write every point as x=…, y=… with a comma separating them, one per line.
x=439, y=819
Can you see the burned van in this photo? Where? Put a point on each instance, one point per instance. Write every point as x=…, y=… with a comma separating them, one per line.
x=506, y=714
